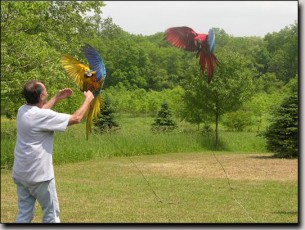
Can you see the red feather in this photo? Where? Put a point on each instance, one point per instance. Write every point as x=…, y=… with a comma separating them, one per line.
x=181, y=37
x=202, y=61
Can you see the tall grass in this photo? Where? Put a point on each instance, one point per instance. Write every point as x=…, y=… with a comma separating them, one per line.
x=133, y=138
x=8, y=140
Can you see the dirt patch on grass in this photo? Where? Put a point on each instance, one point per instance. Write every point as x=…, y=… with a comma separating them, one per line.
x=238, y=167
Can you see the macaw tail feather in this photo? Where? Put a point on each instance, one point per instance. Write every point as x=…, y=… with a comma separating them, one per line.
x=92, y=113
x=208, y=60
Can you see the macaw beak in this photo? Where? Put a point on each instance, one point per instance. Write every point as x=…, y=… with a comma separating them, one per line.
x=88, y=73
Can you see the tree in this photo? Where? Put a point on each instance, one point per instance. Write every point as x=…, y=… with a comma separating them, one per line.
x=33, y=37
x=164, y=121
x=105, y=121
x=230, y=87
x=283, y=49
x=282, y=133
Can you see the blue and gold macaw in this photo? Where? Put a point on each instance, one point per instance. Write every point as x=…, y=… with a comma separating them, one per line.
x=87, y=78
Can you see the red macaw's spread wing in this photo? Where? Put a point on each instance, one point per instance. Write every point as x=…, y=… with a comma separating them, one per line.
x=181, y=37
x=75, y=70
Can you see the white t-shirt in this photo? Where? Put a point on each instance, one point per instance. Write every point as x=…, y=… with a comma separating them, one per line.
x=34, y=145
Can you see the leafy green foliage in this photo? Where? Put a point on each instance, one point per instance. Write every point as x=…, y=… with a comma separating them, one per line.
x=283, y=50
x=260, y=108
x=237, y=121
x=268, y=83
x=164, y=120
x=282, y=134
x=33, y=37
x=140, y=102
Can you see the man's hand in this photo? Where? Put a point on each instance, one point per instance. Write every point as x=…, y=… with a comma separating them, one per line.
x=64, y=93
x=88, y=95
x=78, y=115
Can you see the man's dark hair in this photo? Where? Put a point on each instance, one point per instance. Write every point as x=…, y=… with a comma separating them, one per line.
x=31, y=91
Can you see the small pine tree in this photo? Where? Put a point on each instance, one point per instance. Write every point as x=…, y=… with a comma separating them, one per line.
x=282, y=134
x=105, y=122
x=164, y=121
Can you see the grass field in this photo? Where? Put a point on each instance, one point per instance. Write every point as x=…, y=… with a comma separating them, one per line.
x=101, y=181
x=193, y=188
x=133, y=138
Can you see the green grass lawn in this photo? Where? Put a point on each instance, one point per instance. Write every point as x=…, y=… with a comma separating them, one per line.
x=192, y=187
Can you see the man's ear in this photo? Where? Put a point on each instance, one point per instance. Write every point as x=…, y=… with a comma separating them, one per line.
x=41, y=97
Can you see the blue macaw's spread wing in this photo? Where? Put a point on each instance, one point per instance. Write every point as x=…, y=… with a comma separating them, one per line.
x=95, y=62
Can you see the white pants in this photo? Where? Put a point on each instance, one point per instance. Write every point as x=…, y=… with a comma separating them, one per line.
x=44, y=193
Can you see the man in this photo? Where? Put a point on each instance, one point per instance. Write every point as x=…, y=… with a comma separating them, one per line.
x=33, y=170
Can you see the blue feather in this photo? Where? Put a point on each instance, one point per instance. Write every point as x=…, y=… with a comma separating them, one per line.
x=96, y=63
x=211, y=40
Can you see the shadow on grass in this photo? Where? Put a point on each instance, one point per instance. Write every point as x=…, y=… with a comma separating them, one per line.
x=264, y=157
x=209, y=142
x=286, y=213
x=272, y=157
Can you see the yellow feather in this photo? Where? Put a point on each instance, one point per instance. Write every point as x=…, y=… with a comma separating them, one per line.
x=74, y=69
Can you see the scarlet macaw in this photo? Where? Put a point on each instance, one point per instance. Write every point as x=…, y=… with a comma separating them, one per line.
x=87, y=79
x=187, y=39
